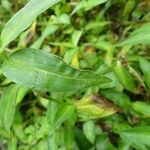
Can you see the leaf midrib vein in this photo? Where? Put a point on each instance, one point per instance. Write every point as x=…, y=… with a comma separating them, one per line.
x=48, y=72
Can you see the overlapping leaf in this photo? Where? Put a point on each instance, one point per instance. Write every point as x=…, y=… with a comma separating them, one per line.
x=23, y=19
x=120, y=99
x=139, y=136
x=139, y=36
x=44, y=71
x=89, y=131
x=8, y=103
x=87, y=4
x=125, y=78
x=145, y=67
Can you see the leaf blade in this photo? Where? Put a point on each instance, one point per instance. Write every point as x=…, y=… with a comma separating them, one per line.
x=125, y=78
x=145, y=67
x=89, y=131
x=138, y=36
x=44, y=71
x=137, y=135
x=65, y=112
x=23, y=19
x=8, y=103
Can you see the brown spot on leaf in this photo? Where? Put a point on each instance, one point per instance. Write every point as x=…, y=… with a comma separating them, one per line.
x=105, y=102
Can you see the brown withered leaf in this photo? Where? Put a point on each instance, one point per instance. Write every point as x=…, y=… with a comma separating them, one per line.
x=99, y=99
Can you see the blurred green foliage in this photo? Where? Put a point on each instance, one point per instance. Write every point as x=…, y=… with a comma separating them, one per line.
x=109, y=37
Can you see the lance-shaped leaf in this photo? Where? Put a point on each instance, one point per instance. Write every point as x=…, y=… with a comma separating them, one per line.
x=138, y=36
x=89, y=130
x=145, y=67
x=23, y=19
x=47, y=72
x=65, y=112
x=87, y=5
x=142, y=108
x=137, y=135
x=8, y=103
x=125, y=78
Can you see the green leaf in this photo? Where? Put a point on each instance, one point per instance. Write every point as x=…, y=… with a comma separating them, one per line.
x=47, y=72
x=123, y=146
x=69, y=138
x=81, y=140
x=94, y=25
x=90, y=3
x=137, y=135
x=139, y=36
x=50, y=29
x=42, y=144
x=52, y=142
x=52, y=26
x=76, y=37
x=12, y=145
x=65, y=112
x=51, y=112
x=21, y=93
x=23, y=19
x=142, y=108
x=103, y=142
x=7, y=105
x=4, y=133
x=69, y=55
x=125, y=78
x=6, y=4
x=87, y=5
x=130, y=5
x=120, y=99
x=89, y=130
x=145, y=67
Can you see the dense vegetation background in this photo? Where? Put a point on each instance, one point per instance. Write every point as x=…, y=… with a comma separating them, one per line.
x=109, y=37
